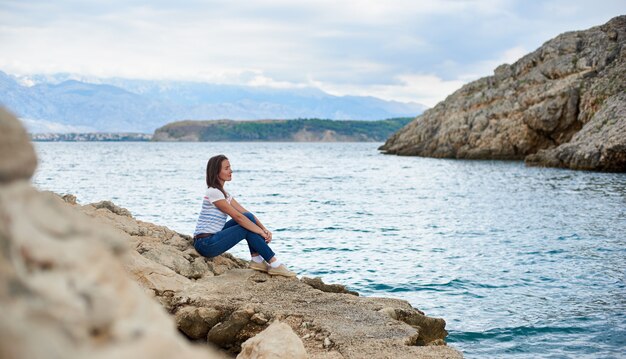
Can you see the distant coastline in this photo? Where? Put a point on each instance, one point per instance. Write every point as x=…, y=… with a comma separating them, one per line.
x=91, y=137
x=298, y=130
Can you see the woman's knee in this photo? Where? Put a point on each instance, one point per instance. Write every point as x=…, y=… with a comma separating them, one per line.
x=250, y=217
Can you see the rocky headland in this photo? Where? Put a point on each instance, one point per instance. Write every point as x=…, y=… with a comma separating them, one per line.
x=298, y=130
x=563, y=105
x=91, y=281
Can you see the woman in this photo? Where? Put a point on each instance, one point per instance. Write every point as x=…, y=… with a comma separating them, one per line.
x=214, y=235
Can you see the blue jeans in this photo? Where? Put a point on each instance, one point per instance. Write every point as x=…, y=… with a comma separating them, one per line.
x=231, y=234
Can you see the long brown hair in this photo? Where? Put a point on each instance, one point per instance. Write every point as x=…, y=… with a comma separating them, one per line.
x=213, y=168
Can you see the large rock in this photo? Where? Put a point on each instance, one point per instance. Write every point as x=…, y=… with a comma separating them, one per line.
x=17, y=155
x=225, y=334
x=64, y=292
x=561, y=103
x=277, y=341
x=196, y=322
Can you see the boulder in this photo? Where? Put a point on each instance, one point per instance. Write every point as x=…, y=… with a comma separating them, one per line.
x=196, y=322
x=17, y=155
x=277, y=341
x=225, y=333
x=64, y=292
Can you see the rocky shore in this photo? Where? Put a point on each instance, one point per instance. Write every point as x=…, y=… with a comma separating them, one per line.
x=563, y=105
x=92, y=281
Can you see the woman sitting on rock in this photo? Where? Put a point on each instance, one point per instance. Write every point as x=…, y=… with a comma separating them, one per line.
x=214, y=235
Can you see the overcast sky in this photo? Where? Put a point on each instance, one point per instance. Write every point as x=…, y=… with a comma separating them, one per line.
x=405, y=50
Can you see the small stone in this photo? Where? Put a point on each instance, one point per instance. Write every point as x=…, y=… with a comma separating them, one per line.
x=306, y=336
x=319, y=336
x=437, y=342
x=225, y=333
x=259, y=318
x=278, y=341
x=413, y=340
x=259, y=278
x=390, y=312
x=117, y=210
x=211, y=316
x=317, y=283
x=328, y=343
x=190, y=321
x=69, y=198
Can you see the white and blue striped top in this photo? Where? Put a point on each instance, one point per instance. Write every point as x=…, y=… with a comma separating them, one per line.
x=211, y=219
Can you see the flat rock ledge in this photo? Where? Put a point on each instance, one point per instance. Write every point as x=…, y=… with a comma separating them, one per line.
x=222, y=302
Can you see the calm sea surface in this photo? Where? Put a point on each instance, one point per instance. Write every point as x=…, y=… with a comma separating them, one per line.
x=521, y=262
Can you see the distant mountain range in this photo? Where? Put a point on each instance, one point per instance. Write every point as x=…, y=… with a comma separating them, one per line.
x=66, y=103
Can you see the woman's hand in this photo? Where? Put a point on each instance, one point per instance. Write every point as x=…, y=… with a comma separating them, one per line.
x=267, y=235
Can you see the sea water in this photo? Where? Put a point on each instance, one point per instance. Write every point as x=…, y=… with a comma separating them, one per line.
x=519, y=261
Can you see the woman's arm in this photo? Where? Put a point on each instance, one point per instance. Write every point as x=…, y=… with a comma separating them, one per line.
x=240, y=208
x=235, y=214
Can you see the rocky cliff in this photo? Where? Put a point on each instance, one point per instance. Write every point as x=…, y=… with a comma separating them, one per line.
x=93, y=282
x=563, y=105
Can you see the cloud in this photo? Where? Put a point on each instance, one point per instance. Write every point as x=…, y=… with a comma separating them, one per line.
x=486, y=67
x=366, y=46
x=426, y=89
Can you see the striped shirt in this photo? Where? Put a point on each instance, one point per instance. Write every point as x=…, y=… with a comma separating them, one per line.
x=211, y=219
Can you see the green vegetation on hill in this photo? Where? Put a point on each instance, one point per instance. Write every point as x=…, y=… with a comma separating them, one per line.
x=308, y=130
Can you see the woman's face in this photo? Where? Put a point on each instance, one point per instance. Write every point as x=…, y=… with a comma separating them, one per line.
x=226, y=173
